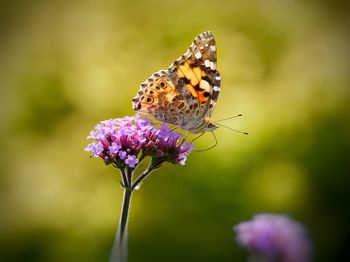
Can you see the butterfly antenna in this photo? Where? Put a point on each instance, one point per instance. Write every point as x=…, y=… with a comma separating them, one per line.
x=235, y=130
x=228, y=118
x=216, y=142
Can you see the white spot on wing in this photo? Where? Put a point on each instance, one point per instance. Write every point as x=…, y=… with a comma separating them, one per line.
x=215, y=88
x=198, y=55
x=212, y=65
x=217, y=77
x=212, y=47
x=207, y=63
x=204, y=85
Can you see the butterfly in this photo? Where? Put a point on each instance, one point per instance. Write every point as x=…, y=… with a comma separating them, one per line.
x=186, y=93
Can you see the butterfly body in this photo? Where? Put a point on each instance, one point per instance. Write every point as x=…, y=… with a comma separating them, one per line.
x=185, y=94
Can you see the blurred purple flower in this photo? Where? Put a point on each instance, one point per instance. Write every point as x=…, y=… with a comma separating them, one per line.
x=131, y=161
x=274, y=238
x=123, y=141
x=122, y=154
x=114, y=148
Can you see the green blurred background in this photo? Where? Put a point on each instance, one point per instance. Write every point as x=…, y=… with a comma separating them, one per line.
x=66, y=65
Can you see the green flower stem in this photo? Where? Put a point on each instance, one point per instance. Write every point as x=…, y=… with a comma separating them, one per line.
x=119, y=250
x=125, y=181
x=141, y=177
x=153, y=165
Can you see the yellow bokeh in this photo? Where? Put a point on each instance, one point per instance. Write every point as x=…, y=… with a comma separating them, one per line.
x=67, y=65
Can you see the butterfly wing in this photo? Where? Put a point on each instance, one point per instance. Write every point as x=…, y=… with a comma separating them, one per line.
x=160, y=97
x=186, y=93
x=197, y=68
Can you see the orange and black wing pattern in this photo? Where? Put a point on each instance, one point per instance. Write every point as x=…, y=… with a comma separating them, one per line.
x=196, y=73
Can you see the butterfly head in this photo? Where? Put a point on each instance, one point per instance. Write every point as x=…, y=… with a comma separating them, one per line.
x=211, y=126
x=204, y=126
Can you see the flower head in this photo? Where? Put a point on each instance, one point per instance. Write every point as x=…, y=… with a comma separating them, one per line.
x=275, y=238
x=123, y=141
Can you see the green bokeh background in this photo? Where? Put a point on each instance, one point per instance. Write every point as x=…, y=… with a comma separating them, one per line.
x=66, y=65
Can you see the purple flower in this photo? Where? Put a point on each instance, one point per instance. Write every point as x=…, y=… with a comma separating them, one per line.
x=95, y=148
x=122, y=155
x=274, y=238
x=131, y=161
x=164, y=131
x=114, y=148
x=123, y=141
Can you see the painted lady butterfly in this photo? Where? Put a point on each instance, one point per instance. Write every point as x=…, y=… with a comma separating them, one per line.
x=184, y=95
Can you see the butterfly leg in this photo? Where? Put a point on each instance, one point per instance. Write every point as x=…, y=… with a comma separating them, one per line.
x=197, y=137
x=215, y=144
x=172, y=128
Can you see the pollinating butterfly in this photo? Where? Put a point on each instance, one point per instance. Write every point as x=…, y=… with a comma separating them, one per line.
x=186, y=93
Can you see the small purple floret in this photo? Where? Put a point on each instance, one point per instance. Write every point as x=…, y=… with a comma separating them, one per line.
x=114, y=148
x=95, y=148
x=131, y=161
x=123, y=141
x=275, y=237
x=122, y=154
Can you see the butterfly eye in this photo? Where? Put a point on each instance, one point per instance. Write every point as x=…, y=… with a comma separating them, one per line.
x=149, y=100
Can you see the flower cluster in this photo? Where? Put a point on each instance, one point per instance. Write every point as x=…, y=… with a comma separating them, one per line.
x=274, y=238
x=126, y=141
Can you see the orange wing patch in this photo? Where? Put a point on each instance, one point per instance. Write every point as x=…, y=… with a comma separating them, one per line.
x=193, y=75
x=203, y=96
x=197, y=86
x=191, y=89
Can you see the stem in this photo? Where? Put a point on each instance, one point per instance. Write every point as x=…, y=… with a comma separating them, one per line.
x=125, y=178
x=129, y=172
x=141, y=177
x=149, y=169
x=119, y=250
